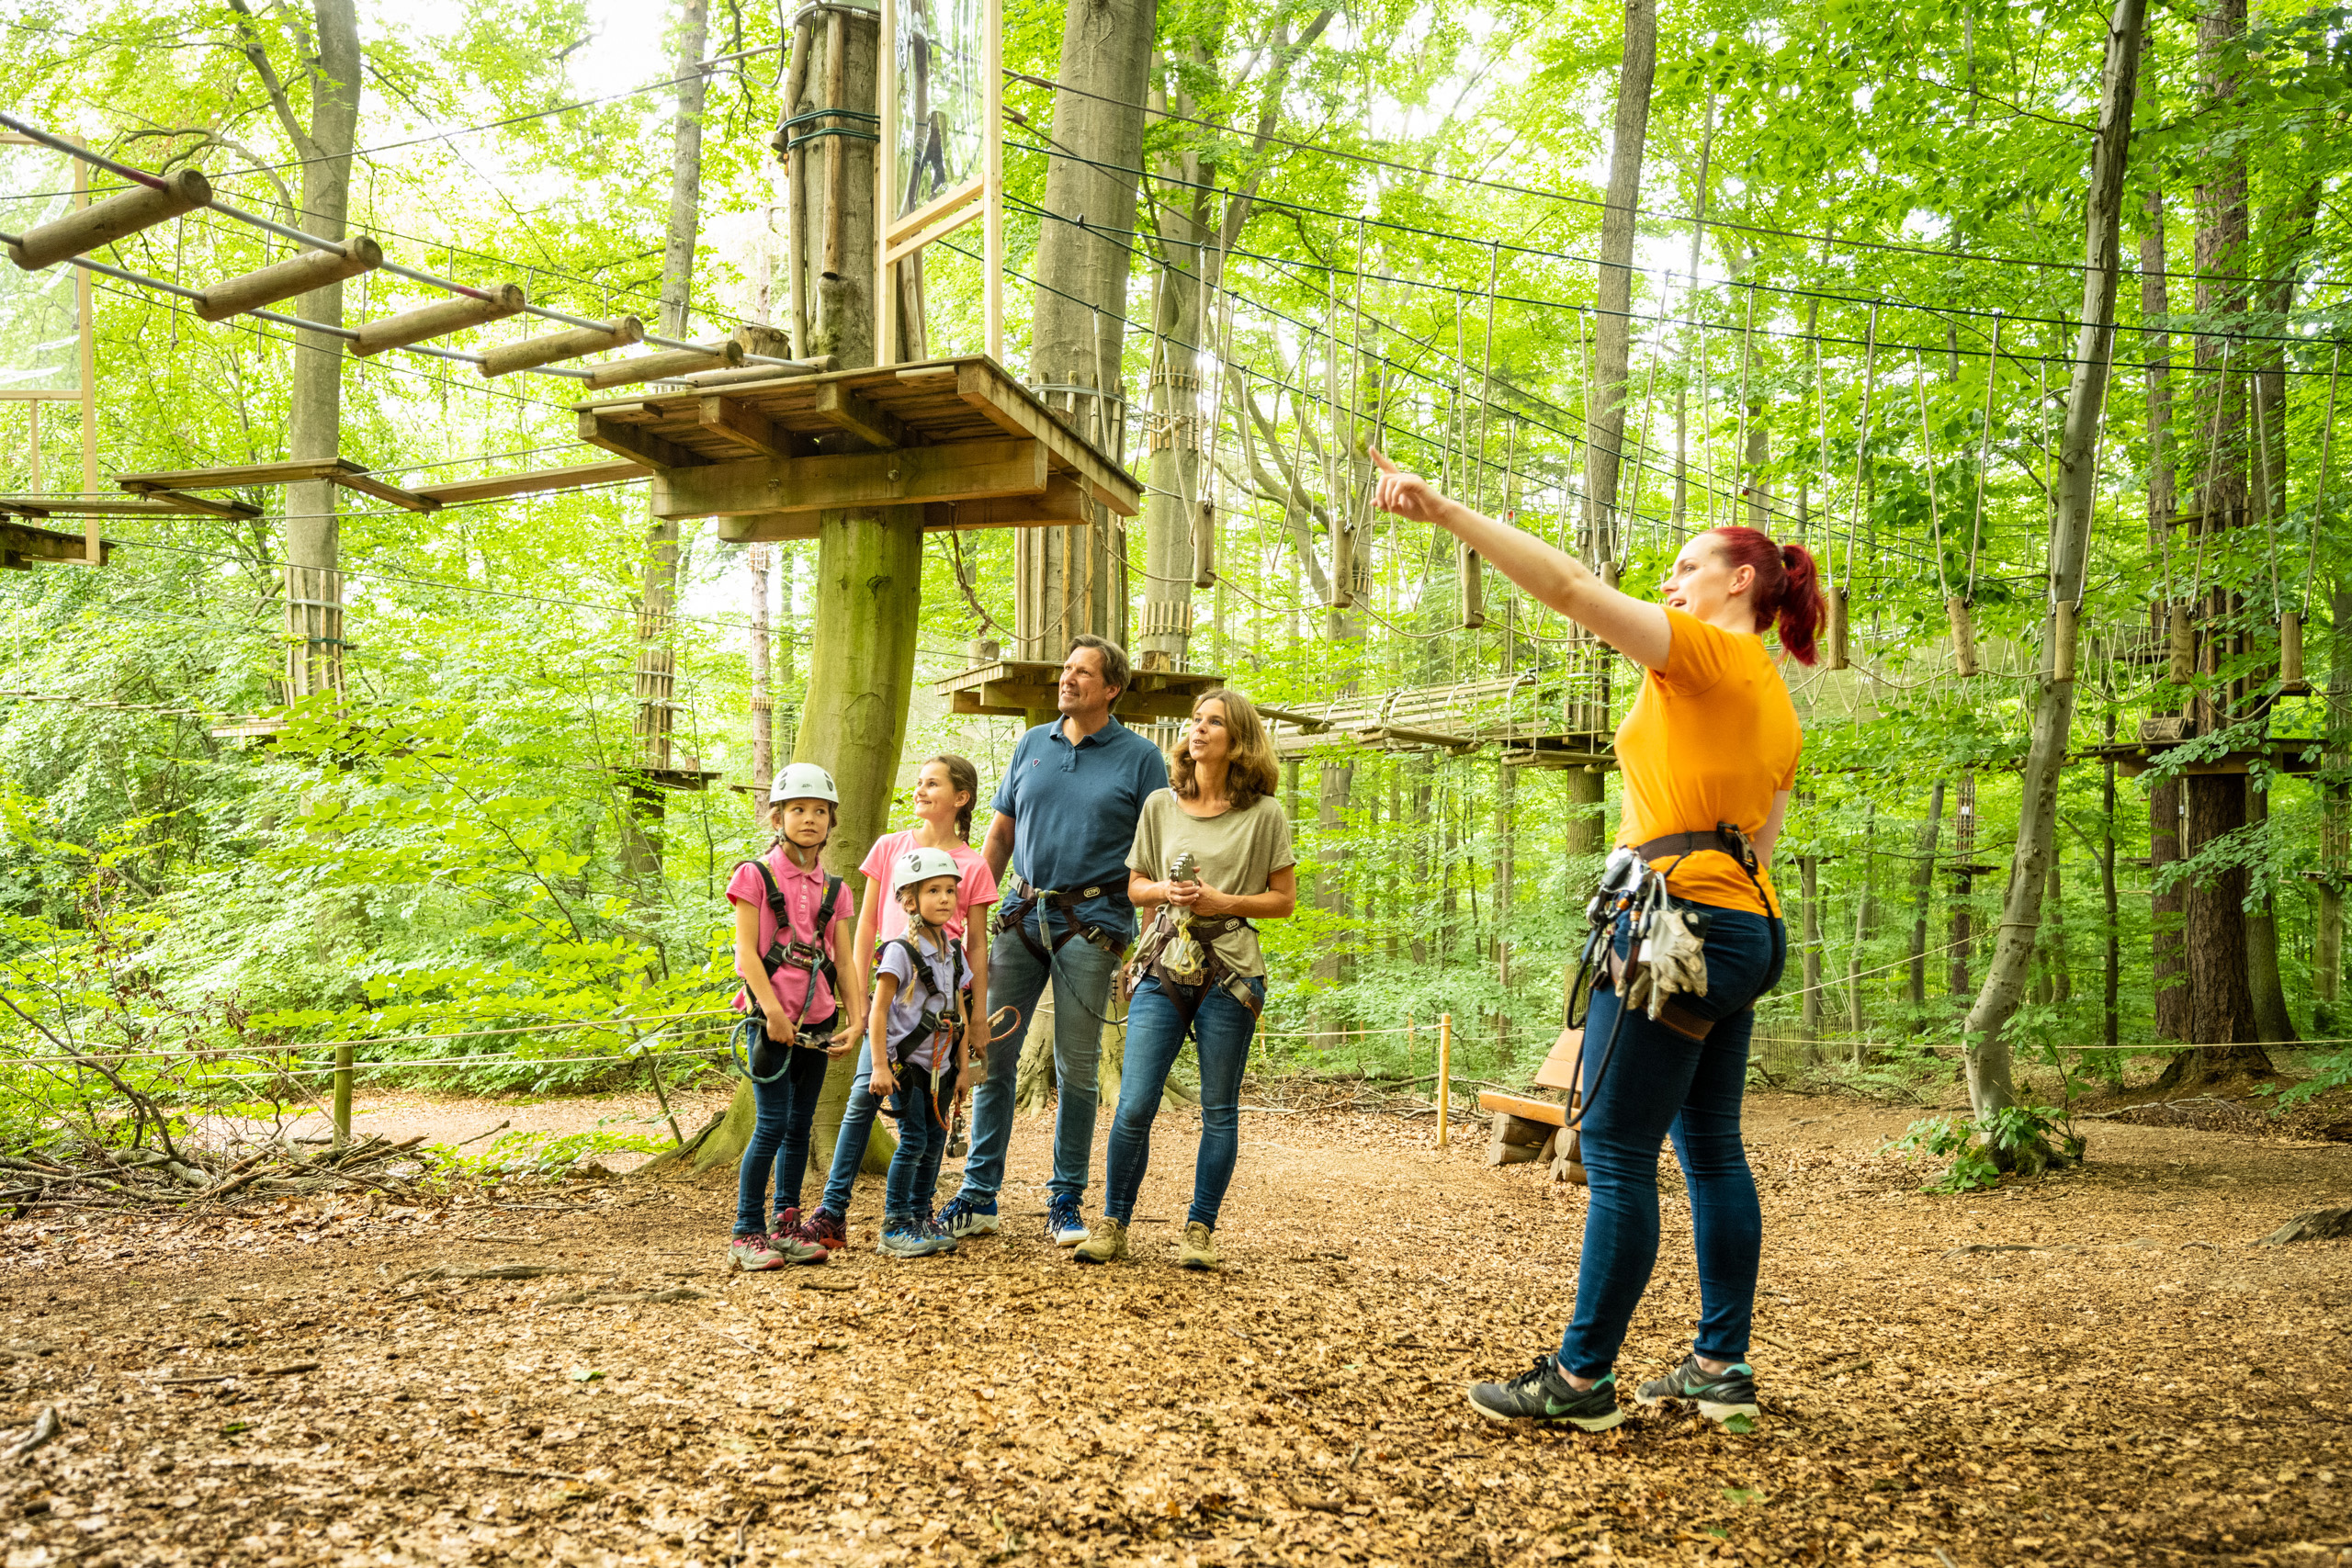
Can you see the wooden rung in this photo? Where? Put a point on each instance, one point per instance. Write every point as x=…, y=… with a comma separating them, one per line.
x=438, y=320
x=2061, y=632
x=180, y=500
x=533, y=483
x=1474, y=586
x=1204, y=545
x=296, y=275
x=1964, y=634
x=1837, y=648
x=757, y=337
x=2180, y=646
x=367, y=484
x=24, y=545
x=746, y=375
x=530, y=353
x=2291, y=653
x=666, y=365
x=103, y=222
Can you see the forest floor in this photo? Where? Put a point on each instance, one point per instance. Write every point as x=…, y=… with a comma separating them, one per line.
x=2101, y=1368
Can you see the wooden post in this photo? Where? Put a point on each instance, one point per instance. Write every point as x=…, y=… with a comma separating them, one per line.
x=1964, y=634
x=532, y=352
x=1839, y=652
x=2180, y=645
x=667, y=365
x=1474, y=587
x=2291, y=680
x=437, y=320
x=343, y=1057
x=1444, y=1071
x=299, y=275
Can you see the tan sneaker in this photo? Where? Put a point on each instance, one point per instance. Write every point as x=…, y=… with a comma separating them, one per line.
x=1199, y=1249
x=1105, y=1243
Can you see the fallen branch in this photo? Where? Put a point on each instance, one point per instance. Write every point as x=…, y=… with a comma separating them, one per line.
x=622, y=1298
x=46, y=1429
x=495, y=1272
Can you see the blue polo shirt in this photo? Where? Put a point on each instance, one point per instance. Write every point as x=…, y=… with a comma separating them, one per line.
x=1074, y=810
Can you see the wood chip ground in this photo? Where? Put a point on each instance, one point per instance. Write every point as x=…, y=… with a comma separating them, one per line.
x=2097, y=1370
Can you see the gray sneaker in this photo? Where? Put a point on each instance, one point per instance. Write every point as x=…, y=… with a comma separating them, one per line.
x=1728, y=1397
x=751, y=1253
x=1540, y=1393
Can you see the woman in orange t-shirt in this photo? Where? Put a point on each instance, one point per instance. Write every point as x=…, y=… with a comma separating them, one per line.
x=1708, y=754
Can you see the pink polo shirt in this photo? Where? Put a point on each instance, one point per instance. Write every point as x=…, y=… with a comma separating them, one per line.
x=803, y=892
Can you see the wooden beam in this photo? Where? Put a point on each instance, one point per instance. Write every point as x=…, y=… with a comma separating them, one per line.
x=977, y=385
x=296, y=275
x=653, y=451
x=533, y=481
x=765, y=527
x=84, y=506
x=726, y=417
x=21, y=544
x=666, y=365
x=968, y=470
x=1062, y=502
x=229, y=477
x=845, y=411
x=181, y=501
x=438, y=320
x=532, y=352
x=367, y=484
x=760, y=375
x=103, y=222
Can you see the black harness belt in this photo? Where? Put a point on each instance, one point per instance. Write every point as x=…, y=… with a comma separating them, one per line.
x=1188, y=995
x=1015, y=916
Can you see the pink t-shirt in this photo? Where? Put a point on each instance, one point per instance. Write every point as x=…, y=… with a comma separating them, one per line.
x=804, y=892
x=978, y=891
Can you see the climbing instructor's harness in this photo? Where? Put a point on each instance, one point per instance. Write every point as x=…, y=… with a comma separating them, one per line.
x=787, y=952
x=1668, y=955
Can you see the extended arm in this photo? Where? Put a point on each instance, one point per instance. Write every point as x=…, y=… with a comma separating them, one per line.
x=1634, y=629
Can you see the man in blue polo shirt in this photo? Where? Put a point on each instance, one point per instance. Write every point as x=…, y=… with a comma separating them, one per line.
x=1065, y=819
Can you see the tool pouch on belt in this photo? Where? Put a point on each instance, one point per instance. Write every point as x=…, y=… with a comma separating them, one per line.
x=1161, y=936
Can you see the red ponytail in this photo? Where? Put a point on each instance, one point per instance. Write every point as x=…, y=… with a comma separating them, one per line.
x=1787, y=586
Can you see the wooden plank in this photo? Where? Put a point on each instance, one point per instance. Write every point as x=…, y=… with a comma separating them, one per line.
x=768, y=526
x=1519, y=1108
x=532, y=482
x=1061, y=503
x=180, y=500
x=923, y=216
x=653, y=451
x=982, y=387
x=367, y=484
x=234, y=475
x=726, y=417
x=22, y=543
x=83, y=506
x=969, y=470
x=845, y=411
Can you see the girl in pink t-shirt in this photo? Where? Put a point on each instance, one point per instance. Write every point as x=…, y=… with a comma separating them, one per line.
x=946, y=789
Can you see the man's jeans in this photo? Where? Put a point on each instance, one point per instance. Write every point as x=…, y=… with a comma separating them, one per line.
x=1081, y=976
x=1660, y=1084
x=1155, y=1032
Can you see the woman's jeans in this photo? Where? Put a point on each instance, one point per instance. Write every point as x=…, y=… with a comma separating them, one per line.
x=922, y=1140
x=788, y=1109
x=1659, y=1083
x=856, y=1129
x=1156, y=1032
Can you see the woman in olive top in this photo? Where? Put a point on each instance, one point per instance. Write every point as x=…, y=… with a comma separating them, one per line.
x=1712, y=742
x=1223, y=813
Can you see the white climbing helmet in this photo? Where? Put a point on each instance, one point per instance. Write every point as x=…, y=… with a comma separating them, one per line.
x=803, y=781
x=920, y=865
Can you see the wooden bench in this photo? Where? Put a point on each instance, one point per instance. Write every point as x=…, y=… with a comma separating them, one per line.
x=1527, y=1129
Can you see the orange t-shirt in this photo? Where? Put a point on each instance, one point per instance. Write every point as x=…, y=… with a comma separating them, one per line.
x=1711, y=739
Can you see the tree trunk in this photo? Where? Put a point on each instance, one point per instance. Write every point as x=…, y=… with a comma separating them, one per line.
x=1990, y=1084
x=2110, y=998
x=1809, y=883
x=2272, y=1021
x=869, y=562
x=2221, y=1002
x=755, y=563
x=1963, y=887
x=1614, y=314
x=1923, y=889
x=1586, y=841
x=2168, y=912
x=1855, y=1020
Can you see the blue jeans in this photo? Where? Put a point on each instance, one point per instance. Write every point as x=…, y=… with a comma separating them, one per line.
x=1081, y=976
x=1156, y=1032
x=1659, y=1083
x=788, y=1109
x=856, y=1130
x=922, y=1141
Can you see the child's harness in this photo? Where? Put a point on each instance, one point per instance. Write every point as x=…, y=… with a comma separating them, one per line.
x=790, y=951
x=942, y=1017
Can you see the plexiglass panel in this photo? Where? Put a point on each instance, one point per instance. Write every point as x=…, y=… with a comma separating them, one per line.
x=942, y=100
x=40, y=322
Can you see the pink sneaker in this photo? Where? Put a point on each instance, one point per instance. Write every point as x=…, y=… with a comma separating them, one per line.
x=789, y=1239
x=824, y=1228
x=751, y=1253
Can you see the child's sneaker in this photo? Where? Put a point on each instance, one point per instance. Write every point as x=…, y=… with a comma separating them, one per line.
x=1065, y=1226
x=824, y=1228
x=963, y=1217
x=904, y=1237
x=786, y=1239
x=933, y=1227
x=751, y=1253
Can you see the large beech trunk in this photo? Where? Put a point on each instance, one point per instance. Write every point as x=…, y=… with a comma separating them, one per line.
x=1613, y=313
x=1991, y=1086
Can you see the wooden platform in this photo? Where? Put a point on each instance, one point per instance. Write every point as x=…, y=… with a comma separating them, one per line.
x=1019, y=686
x=2291, y=755
x=1521, y=714
x=172, y=487
x=959, y=437
x=23, y=546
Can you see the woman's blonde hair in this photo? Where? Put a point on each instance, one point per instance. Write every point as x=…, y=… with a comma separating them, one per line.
x=1251, y=774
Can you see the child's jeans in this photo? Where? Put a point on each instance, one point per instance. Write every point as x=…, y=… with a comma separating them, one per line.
x=788, y=1110
x=923, y=1142
x=856, y=1129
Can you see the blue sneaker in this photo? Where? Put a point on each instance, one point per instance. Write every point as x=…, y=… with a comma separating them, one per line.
x=1063, y=1225
x=963, y=1217
x=905, y=1237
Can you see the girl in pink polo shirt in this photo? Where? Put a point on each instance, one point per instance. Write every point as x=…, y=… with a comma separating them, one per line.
x=792, y=923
